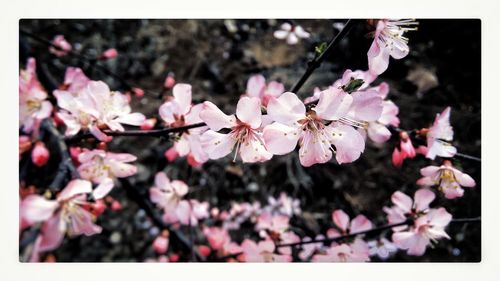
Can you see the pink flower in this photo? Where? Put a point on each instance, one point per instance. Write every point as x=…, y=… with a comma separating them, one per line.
x=257, y=88
x=160, y=244
x=389, y=41
x=382, y=248
x=33, y=106
x=63, y=46
x=261, y=252
x=296, y=125
x=426, y=229
x=167, y=194
x=405, y=207
x=245, y=131
x=109, y=53
x=377, y=130
x=439, y=136
x=102, y=167
x=187, y=212
x=309, y=249
x=40, y=154
x=341, y=253
x=272, y=226
x=284, y=205
x=449, y=179
x=178, y=112
x=291, y=33
x=359, y=224
x=66, y=214
x=95, y=107
x=217, y=237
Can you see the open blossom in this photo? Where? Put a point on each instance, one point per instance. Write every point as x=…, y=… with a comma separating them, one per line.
x=178, y=112
x=405, y=206
x=389, y=41
x=245, y=131
x=33, y=106
x=256, y=87
x=95, y=107
x=439, y=135
x=261, y=252
x=167, y=194
x=346, y=226
x=284, y=205
x=65, y=215
x=102, y=167
x=63, y=46
x=449, y=179
x=272, y=226
x=187, y=212
x=307, y=250
x=426, y=229
x=217, y=237
x=292, y=33
x=294, y=124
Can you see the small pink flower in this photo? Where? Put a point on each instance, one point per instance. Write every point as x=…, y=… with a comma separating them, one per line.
x=449, y=179
x=160, y=244
x=272, y=226
x=65, y=215
x=187, y=212
x=284, y=205
x=33, y=106
x=178, y=112
x=310, y=248
x=389, y=41
x=426, y=229
x=167, y=194
x=64, y=47
x=102, y=167
x=261, y=252
x=257, y=88
x=359, y=224
x=217, y=237
x=292, y=33
x=382, y=248
x=40, y=154
x=109, y=54
x=245, y=131
x=439, y=136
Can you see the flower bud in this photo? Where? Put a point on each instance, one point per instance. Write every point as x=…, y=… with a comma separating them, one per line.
x=40, y=154
x=109, y=54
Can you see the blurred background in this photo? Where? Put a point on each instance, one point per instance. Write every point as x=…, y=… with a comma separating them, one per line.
x=217, y=57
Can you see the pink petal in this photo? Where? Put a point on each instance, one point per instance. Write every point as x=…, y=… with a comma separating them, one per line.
x=53, y=232
x=182, y=95
x=35, y=208
x=281, y=34
x=215, y=118
x=280, y=139
x=103, y=188
x=180, y=187
x=402, y=201
x=168, y=111
x=292, y=38
x=254, y=151
x=348, y=142
x=464, y=179
x=248, y=111
x=333, y=104
x=360, y=223
x=217, y=145
x=314, y=148
x=378, y=132
x=286, y=109
x=122, y=170
x=378, y=58
x=430, y=171
x=367, y=105
x=341, y=219
x=75, y=187
x=256, y=85
x=135, y=119
x=423, y=197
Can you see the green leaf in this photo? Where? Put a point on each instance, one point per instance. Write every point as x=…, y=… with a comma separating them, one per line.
x=353, y=85
x=321, y=48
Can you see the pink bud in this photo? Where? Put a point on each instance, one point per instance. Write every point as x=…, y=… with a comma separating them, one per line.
x=116, y=206
x=98, y=207
x=148, y=124
x=204, y=250
x=138, y=92
x=75, y=151
x=192, y=162
x=171, y=154
x=40, y=154
x=397, y=158
x=174, y=258
x=110, y=54
x=169, y=82
x=64, y=46
x=160, y=245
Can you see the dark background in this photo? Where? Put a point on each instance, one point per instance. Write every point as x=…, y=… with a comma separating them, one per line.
x=217, y=57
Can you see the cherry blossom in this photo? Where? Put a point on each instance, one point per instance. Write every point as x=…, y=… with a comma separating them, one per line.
x=65, y=215
x=95, y=107
x=342, y=253
x=63, y=46
x=33, y=106
x=261, y=252
x=256, y=87
x=101, y=167
x=310, y=248
x=449, y=179
x=187, y=212
x=284, y=205
x=178, y=112
x=294, y=124
x=245, y=131
x=167, y=194
x=439, y=135
x=426, y=229
x=389, y=41
x=272, y=226
x=292, y=33
x=359, y=224
x=406, y=206
x=75, y=80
